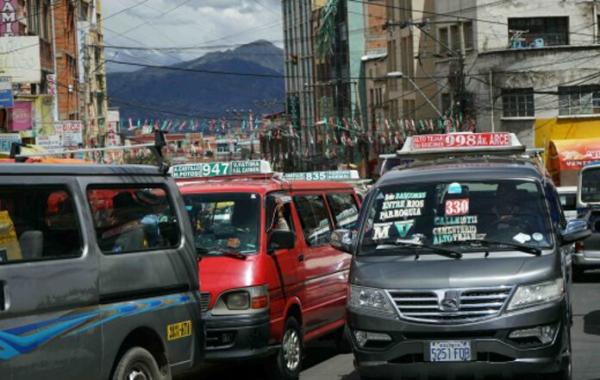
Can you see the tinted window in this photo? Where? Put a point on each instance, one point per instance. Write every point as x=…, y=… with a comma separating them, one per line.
x=314, y=218
x=37, y=223
x=345, y=210
x=225, y=222
x=133, y=219
x=455, y=214
x=590, y=185
x=568, y=201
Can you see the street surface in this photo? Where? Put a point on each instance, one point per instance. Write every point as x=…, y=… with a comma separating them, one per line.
x=322, y=363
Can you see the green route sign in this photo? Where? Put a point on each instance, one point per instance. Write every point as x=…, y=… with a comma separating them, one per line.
x=220, y=169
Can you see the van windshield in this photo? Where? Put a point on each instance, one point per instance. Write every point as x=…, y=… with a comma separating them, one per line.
x=457, y=215
x=225, y=223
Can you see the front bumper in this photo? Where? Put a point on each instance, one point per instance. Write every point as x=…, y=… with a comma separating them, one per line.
x=237, y=337
x=493, y=353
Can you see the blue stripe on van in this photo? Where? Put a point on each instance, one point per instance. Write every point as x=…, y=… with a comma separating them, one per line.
x=23, y=339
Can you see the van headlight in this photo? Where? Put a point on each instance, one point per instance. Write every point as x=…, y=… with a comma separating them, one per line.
x=537, y=294
x=242, y=301
x=372, y=301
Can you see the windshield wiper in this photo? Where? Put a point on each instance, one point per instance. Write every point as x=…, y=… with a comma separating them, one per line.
x=450, y=253
x=221, y=252
x=487, y=243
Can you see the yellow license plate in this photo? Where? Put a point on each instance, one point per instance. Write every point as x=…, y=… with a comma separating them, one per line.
x=179, y=330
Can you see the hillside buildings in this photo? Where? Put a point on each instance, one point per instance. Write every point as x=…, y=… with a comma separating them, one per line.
x=44, y=49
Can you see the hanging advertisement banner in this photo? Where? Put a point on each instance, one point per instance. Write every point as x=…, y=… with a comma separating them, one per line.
x=51, y=80
x=21, y=116
x=6, y=141
x=9, y=22
x=6, y=93
x=43, y=120
x=20, y=59
x=72, y=133
x=52, y=141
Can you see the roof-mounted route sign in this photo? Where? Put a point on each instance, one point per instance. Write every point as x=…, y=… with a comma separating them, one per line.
x=221, y=169
x=339, y=175
x=452, y=144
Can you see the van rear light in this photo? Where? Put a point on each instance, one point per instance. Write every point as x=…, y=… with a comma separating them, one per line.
x=579, y=246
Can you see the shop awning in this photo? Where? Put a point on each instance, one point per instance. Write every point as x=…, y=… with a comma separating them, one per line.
x=567, y=157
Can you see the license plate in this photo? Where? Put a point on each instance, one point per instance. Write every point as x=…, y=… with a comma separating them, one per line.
x=450, y=351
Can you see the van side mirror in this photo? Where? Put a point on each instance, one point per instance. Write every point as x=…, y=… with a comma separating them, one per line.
x=281, y=239
x=577, y=229
x=342, y=240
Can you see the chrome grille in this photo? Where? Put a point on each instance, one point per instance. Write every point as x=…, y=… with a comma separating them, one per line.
x=450, y=306
x=204, y=301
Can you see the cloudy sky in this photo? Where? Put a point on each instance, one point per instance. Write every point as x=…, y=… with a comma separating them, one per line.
x=175, y=23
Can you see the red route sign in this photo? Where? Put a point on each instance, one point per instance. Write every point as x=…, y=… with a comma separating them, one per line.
x=461, y=140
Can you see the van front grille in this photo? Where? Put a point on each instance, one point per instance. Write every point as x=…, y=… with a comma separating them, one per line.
x=204, y=301
x=450, y=306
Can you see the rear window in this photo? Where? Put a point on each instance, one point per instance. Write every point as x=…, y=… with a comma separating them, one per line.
x=38, y=223
x=568, y=201
x=133, y=219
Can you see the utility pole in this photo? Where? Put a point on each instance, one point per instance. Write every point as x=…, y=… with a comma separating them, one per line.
x=456, y=75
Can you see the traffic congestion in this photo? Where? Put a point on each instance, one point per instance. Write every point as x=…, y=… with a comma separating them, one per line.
x=462, y=261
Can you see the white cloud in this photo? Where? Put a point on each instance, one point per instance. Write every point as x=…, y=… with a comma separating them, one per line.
x=194, y=22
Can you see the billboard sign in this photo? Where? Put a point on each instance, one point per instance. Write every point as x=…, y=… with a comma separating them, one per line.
x=20, y=59
x=22, y=116
x=6, y=93
x=72, y=133
x=6, y=141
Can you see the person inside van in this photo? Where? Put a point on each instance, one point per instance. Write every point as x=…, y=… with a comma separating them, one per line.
x=512, y=213
x=128, y=233
x=243, y=220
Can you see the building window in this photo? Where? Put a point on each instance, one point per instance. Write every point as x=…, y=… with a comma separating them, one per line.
x=455, y=38
x=538, y=32
x=518, y=102
x=579, y=100
x=443, y=41
x=468, y=35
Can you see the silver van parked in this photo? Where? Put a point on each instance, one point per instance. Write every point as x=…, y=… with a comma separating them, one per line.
x=98, y=275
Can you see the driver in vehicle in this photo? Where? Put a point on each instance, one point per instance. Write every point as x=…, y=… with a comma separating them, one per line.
x=243, y=221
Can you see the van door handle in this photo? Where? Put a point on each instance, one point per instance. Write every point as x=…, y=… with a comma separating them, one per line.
x=301, y=258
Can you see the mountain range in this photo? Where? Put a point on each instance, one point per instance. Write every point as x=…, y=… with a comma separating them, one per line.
x=198, y=88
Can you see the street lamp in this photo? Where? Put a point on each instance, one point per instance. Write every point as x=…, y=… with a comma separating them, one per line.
x=400, y=75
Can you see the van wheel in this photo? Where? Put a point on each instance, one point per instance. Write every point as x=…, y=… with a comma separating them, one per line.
x=138, y=364
x=287, y=363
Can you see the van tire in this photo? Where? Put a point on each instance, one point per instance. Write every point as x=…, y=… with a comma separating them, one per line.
x=138, y=359
x=290, y=353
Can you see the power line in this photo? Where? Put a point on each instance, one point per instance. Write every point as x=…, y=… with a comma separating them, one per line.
x=125, y=10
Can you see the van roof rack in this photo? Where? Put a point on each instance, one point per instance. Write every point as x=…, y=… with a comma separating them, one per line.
x=156, y=149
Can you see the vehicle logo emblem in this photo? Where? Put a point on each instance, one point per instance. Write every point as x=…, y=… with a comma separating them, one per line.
x=450, y=302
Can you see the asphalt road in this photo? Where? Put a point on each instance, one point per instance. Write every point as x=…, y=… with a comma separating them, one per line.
x=322, y=362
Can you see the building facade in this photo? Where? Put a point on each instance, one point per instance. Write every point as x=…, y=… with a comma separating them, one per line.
x=65, y=43
x=92, y=78
x=321, y=86
x=528, y=67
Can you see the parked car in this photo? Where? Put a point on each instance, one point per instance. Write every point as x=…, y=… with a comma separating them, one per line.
x=98, y=275
x=587, y=252
x=270, y=280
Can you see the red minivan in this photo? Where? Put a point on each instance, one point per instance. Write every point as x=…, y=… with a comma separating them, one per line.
x=271, y=281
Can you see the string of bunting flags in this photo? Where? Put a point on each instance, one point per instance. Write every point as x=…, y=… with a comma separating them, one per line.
x=328, y=138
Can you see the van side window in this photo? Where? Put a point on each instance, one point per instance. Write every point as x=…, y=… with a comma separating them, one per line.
x=133, y=219
x=344, y=209
x=279, y=215
x=314, y=218
x=38, y=223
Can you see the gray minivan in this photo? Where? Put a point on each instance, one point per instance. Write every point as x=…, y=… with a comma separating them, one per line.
x=459, y=268
x=98, y=274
